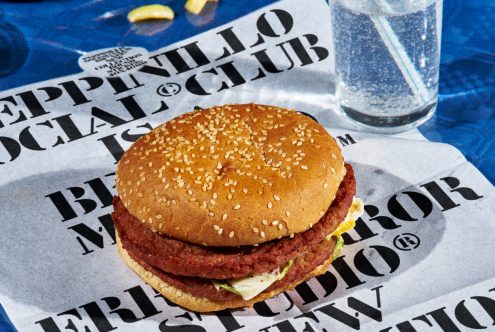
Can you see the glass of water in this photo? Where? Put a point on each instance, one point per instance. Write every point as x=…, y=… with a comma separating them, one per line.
x=387, y=56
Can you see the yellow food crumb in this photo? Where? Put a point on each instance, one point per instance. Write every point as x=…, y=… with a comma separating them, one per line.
x=195, y=6
x=150, y=12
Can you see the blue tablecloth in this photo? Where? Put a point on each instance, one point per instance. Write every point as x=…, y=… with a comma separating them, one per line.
x=41, y=40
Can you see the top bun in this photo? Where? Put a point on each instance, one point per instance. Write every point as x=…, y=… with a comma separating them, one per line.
x=231, y=175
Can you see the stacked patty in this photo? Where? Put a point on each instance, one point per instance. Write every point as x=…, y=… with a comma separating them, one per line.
x=226, y=193
x=191, y=267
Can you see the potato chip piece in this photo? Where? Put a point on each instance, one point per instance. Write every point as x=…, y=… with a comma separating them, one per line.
x=195, y=6
x=150, y=12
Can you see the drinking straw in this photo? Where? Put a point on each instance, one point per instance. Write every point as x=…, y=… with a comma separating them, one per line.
x=394, y=46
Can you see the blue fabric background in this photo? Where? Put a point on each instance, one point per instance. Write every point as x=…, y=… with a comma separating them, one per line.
x=40, y=40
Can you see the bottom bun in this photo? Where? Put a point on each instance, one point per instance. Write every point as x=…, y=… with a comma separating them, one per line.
x=201, y=304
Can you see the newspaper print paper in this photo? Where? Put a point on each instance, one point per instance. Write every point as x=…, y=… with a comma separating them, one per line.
x=420, y=258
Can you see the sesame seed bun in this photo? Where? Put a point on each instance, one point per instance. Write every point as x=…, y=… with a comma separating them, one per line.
x=231, y=175
x=201, y=304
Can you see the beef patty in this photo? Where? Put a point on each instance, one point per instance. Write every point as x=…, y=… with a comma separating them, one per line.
x=201, y=287
x=165, y=254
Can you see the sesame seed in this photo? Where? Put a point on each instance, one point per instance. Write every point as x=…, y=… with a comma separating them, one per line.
x=231, y=234
x=325, y=185
x=262, y=234
x=270, y=205
x=292, y=235
x=287, y=213
x=264, y=222
x=280, y=226
x=334, y=156
x=304, y=167
x=332, y=169
x=211, y=214
x=237, y=207
x=216, y=227
x=224, y=217
x=220, y=231
x=277, y=198
x=158, y=216
x=245, y=190
x=212, y=202
x=275, y=222
x=214, y=195
x=255, y=230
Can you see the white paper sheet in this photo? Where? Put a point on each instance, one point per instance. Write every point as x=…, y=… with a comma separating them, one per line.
x=420, y=258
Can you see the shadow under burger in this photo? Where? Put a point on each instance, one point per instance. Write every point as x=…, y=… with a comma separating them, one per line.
x=178, y=216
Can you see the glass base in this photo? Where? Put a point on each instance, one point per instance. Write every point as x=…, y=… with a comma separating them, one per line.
x=390, y=124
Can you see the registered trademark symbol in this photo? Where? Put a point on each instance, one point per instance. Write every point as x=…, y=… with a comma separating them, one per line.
x=168, y=89
x=406, y=241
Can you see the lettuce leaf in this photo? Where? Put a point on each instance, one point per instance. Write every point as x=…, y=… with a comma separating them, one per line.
x=219, y=285
x=339, y=245
x=285, y=270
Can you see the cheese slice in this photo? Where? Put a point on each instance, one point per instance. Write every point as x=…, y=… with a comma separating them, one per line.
x=355, y=211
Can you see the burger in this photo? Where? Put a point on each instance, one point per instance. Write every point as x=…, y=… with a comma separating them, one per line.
x=227, y=206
